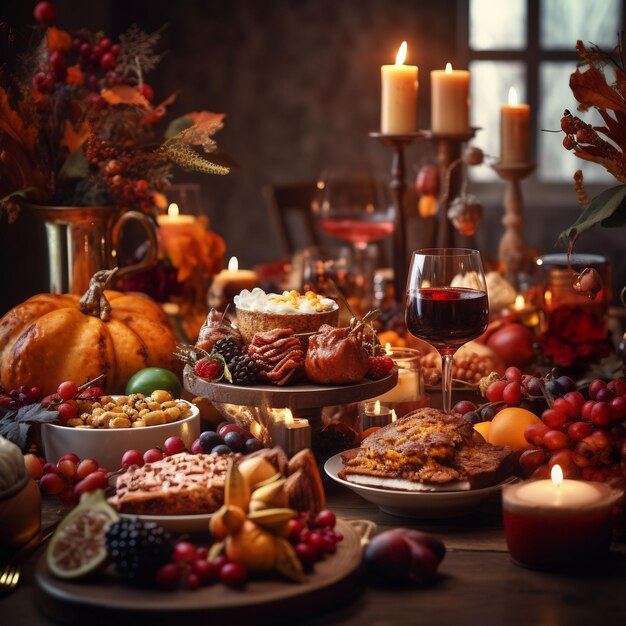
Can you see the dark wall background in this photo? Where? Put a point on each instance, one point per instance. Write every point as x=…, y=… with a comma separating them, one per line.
x=300, y=82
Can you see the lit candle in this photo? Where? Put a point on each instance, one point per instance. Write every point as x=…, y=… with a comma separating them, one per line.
x=450, y=101
x=557, y=523
x=374, y=414
x=398, y=96
x=292, y=434
x=527, y=314
x=409, y=385
x=230, y=282
x=174, y=217
x=514, y=130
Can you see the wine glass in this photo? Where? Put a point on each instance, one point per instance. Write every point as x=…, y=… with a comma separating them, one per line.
x=446, y=303
x=354, y=204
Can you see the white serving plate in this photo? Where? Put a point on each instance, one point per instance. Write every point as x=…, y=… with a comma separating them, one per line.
x=107, y=445
x=177, y=524
x=422, y=504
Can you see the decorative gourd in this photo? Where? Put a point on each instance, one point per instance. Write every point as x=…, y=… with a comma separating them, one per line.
x=51, y=338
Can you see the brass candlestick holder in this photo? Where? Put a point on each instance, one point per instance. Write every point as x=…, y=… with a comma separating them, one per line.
x=449, y=150
x=397, y=186
x=513, y=253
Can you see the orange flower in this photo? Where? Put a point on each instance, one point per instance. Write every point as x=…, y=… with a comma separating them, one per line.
x=74, y=76
x=58, y=40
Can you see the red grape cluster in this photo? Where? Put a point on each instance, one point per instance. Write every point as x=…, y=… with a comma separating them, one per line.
x=172, y=445
x=66, y=399
x=20, y=396
x=586, y=437
x=191, y=568
x=69, y=478
x=314, y=537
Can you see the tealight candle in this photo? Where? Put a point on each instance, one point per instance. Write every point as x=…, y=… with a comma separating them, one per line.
x=398, y=96
x=557, y=523
x=374, y=413
x=292, y=434
x=514, y=130
x=449, y=101
x=229, y=282
x=174, y=217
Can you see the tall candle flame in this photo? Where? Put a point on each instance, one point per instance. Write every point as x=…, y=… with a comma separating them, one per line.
x=388, y=349
x=377, y=408
x=173, y=209
x=557, y=475
x=288, y=416
x=394, y=417
x=401, y=56
x=233, y=264
x=448, y=68
x=519, y=302
x=513, y=100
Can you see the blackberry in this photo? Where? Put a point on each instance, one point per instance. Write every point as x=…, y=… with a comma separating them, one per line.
x=138, y=549
x=228, y=348
x=244, y=370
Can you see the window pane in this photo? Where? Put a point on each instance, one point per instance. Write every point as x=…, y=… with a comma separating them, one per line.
x=490, y=85
x=555, y=163
x=497, y=25
x=563, y=22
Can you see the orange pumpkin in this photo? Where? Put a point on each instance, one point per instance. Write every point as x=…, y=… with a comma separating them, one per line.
x=52, y=338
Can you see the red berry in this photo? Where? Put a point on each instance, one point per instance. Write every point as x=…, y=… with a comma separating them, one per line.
x=555, y=440
x=618, y=408
x=72, y=457
x=234, y=574
x=576, y=399
x=97, y=480
x=50, y=468
x=67, y=390
x=604, y=395
x=565, y=459
x=45, y=13
x=206, y=571
x=495, y=390
x=220, y=561
x=67, y=411
x=380, y=366
x=167, y=575
x=192, y=581
x=67, y=468
x=294, y=528
x=535, y=433
x=108, y=61
x=146, y=91
x=85, y=50
x=316, y=541
x=185, y=551
x=105, y=44
x=513, y=374
x=578, y=431
x=325, y=519
x=306, y=553
x=208, y=368
x=86, y=467
x=173, y=445
x=463, y=407
x=132, y=457
x=52, y=483
x=600, y=414
x=115, y=49
x=595, y=386
x=530, y=460
x=43, y=82
x=196, y=448
x=512, y=393
x=202, y=552
x=566, y=408
x=152, y=456
x=618, y=387
x=554, y=419
x=58, y=65
x=587, y=407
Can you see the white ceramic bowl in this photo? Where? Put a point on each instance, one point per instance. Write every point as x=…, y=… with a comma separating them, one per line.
x=423, y=504
x=107, y=445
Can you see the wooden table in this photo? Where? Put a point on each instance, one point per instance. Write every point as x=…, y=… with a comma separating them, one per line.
x=478, y=583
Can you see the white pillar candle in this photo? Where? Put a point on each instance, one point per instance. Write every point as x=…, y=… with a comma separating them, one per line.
x=398, y=114
x=514, y=130
x=450, y=101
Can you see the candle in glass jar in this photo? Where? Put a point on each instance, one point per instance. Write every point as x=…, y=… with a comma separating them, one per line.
x=449, y=101
x=514, y=130
x=230, y=282
x=557, y=523
x=409, y=385
x=398, y=96
x=292, y=434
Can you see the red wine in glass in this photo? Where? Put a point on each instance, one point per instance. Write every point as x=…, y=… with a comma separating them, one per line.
x=447, y=317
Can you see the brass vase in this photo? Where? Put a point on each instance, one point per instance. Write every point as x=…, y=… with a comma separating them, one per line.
x=84, y=240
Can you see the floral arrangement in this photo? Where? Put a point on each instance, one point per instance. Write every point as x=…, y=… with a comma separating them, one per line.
x=605, y=145
x=78, y=125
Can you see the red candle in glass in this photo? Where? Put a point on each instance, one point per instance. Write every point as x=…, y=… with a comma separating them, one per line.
x=554, y=524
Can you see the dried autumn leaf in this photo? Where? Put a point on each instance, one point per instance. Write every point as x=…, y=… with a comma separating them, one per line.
x=591, y=89
x=124, y=94
x=74, y=139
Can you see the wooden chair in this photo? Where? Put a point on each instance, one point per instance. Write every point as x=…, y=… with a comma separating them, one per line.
x=290, y=208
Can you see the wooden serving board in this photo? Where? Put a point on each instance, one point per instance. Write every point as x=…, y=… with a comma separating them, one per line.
x=302, y=396
x=102, y=599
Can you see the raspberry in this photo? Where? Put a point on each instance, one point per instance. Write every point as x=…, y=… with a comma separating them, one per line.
x=208, y=368
x=380, y=366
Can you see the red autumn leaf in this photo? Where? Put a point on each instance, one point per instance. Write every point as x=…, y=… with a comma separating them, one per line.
x=591, y=89
x=124, y=94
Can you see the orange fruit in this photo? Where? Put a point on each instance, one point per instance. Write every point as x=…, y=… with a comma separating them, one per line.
x=508, y=426
x=483, y=428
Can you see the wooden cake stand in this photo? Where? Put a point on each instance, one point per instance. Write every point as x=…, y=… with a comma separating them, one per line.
x=304, y=400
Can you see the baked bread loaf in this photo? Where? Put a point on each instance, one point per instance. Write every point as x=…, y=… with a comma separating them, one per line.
x=428, y=450
x=181, y=484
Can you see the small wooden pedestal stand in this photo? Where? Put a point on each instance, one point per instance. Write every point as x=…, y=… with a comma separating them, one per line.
x=514, y=253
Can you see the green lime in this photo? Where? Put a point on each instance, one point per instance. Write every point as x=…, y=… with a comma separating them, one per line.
x=151, y=378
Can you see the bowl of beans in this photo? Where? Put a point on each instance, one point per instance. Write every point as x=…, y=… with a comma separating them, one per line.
x=107, y=427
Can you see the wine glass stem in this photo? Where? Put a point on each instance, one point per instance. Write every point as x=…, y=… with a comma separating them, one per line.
x=447, y=360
